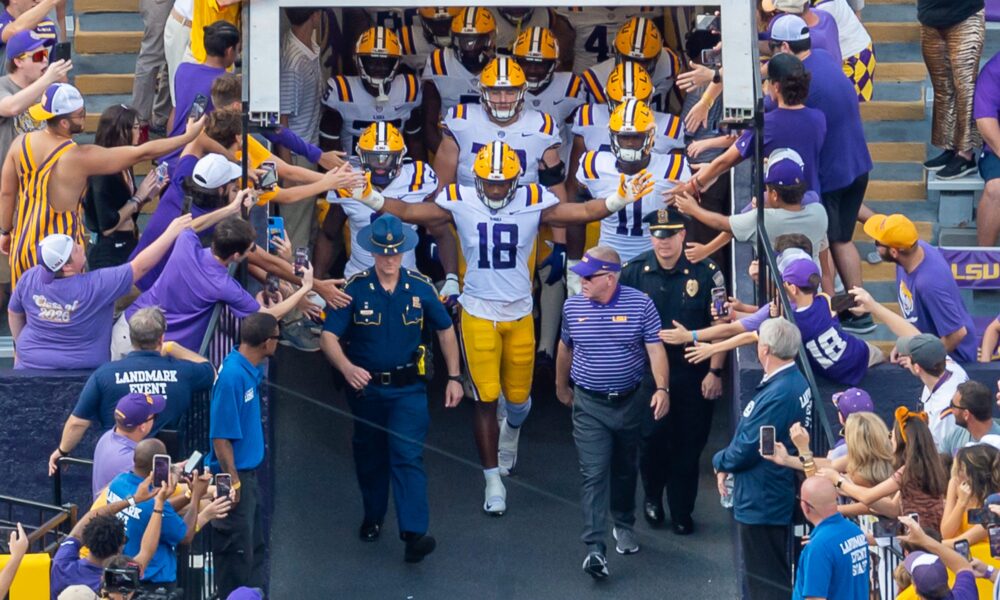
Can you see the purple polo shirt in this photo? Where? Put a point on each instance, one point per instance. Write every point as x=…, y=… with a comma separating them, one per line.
x=191, y=283
x=69, y=319
x=987, y=99
x=113, y=456
x=69, y=569
x=825, y=34
x=169, y=208
x=190, y=80
x=802, y=130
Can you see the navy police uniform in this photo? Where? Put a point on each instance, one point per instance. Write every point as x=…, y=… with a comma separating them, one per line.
x=381, y=332
x=671, y=447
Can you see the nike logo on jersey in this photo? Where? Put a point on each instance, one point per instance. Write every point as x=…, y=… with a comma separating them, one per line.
x=555, y=102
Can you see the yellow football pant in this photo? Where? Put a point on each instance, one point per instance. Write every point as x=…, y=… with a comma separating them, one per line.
x=500, y=355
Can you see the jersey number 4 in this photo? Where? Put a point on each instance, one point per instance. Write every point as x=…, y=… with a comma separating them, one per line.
x=827, y=348
x=598, y=43
x=497, y=249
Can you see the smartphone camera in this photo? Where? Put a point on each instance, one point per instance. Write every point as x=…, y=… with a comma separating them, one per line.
x=161, y=469
x=301, y=261
x=767, y=440
x=223, y=485
x=962, y=547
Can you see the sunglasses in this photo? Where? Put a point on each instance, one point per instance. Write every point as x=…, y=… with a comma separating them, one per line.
x=37, y=56
x=594, y=276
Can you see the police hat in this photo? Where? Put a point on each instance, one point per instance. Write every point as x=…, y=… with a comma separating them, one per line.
x=387, y=236
x=665, y=222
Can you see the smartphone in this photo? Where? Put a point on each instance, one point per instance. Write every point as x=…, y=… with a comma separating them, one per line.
x=719, y=300
x=161, y=172
x=269, y=179
x=198, y=107
x=223, y=483
x=275, y=229
x=161, y=469
x=767, y=440
x=962, y=547
x=301, y=260
x=979, y=516
x=192, y=462
x=707, y=22
x=273, y=289
x=711, y=58
x=994, y=533
x=60, y=51
x=842, y=302
x=887, y=528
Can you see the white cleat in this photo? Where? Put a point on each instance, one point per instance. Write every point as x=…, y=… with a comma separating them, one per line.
x=496, y=497
x=507, y=447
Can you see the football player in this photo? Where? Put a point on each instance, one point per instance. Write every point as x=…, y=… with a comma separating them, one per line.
x=637, y=41
x=451, y=75
x=497, y=222
x=515, y=19
x=377, y=94
x=433, y=33
x=381, y=149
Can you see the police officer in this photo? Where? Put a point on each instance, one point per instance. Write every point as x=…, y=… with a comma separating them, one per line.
x=383, y=360
x=682, y=293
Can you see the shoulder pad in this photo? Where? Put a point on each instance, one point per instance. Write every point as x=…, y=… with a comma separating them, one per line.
x=673, y=128
x=437, y=63
x=406, y=40
x=675, y=61
x=459, y=111
x=417, y=275
x=675, y=167
x=533, y=194
x=342, y=88
x=594, y=87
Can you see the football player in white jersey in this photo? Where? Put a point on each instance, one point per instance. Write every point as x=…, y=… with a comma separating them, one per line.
x=497, y=222
x=378, y=94
x=592, y=30
x=637, y=41
x=451, y=75
x=433, y=31
x=381, y=149
x=632, y=130
x=512, y=20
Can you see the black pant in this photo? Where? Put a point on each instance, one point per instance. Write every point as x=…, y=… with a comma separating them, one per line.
x=671, y=447
x=238, y=541
x=112, y=250
x=767, y=571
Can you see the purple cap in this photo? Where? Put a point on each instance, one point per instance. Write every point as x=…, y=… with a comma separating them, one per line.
x=784, y=167
x=853, y=400
x=23, y=42
x=799, y=272
x=927, y=571
x=135, y=409
x=245, y=593
x=589, y=265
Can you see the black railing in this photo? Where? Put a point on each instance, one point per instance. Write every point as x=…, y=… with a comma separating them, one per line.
x=45, y=524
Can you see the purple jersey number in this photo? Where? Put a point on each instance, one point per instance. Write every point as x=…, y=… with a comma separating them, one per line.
x=498, y=250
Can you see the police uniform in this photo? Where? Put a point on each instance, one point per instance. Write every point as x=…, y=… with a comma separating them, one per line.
x=672, y=446
x=381, y=332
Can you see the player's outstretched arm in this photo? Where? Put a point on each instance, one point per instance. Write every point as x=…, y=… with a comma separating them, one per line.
x=565, y=213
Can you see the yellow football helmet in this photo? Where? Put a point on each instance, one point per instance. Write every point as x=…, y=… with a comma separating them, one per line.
x=633, y=130
x=627, y=80
x=502, y=85
x=377, y=55
x=473, y=35
x=497, y=170
x=537, y=51
x=639, y=41
x=381, y=149
x=436, y=21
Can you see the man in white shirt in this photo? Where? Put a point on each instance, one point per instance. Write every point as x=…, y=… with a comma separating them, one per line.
x=924, y=355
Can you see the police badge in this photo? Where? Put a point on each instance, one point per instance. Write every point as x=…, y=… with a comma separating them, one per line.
x=691, y=287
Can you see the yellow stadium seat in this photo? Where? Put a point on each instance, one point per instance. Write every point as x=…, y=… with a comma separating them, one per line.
x=32, y=579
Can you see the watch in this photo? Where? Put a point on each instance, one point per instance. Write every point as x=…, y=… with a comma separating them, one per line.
x=457, y=378
x=717, y=371
x=131, y=501
x=664, y=390
x=716, y=76
x=840, y=482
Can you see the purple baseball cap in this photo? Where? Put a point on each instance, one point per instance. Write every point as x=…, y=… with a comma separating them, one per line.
x=799, y=272
x=135, y=409
x=23, y=42
x=589, y=265
x=853, y=400
x=784, y=167
x=245, y=593
x=928, y=572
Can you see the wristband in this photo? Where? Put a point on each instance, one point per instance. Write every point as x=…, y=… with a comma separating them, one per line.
x=237, y=485
x=989, y=571
x=615, y=203
x=716, y=371
x=158, y=511
x=457, y=378
x=5, y=231
x=664, y=390
x=60, y=451
x=694, y=336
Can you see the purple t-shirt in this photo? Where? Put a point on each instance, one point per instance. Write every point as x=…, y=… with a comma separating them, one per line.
x=169, y=208
x=834, y=354
x=754, y=321
x=825, y=34
x=802, y=130
x=964, y=587
x=68, y=320
x=192, y=282
x=113, y=456
x=69, y=569
x=197, y=79
x=987, y=100
x=929, y=299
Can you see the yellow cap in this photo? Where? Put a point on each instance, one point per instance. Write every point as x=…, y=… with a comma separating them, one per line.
x=894, y=231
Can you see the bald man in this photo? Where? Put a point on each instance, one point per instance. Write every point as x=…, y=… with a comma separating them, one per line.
x=834, y=564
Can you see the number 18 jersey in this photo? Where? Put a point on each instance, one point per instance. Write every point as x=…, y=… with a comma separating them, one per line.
x=497, y=246
x=833, y=353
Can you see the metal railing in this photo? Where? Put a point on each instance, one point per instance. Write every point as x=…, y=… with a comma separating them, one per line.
x=54, y=521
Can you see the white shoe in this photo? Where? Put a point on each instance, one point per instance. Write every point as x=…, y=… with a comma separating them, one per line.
x=496, y=497
x=507, y=447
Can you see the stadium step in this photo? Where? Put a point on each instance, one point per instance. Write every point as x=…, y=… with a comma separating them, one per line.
x=894, y=32
x=106, y=42
x=896, y=191
x=891, y=152
x=897, y=72
x=105, y=83
x=893, y=110
x=100, y=6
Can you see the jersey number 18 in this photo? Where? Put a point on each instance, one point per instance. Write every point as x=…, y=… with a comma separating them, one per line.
x=827, y=348
x=499, y=249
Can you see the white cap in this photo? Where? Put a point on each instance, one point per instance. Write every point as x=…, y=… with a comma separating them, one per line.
x=789, y=28
x=59, y=99
x=77, y=592
x=55, y=251
x=990, y=439
x=214, y=171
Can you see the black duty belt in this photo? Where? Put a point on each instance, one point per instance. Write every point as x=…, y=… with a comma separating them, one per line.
x=397, y=377
x=611, y=396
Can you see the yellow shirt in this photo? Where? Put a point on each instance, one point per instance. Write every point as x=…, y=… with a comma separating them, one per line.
x=258, y=154
x=205, y=13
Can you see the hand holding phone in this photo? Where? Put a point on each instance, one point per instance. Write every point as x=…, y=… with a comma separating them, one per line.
x=767, y=440
x=269, y=178
x=301, y=260
x=223, y=485
x=161, y=470
x=198, y=107
x=994, y=535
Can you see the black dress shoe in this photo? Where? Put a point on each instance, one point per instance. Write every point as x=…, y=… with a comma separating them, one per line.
x=418, y=546
x=683, y=526
x=653, y=511
x=369, y=531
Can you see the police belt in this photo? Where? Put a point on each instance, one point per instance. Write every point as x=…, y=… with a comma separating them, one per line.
x=397, y=377
x=611, y=396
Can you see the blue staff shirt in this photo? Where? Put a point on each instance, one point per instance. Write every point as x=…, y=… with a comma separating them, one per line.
x=163, y=567
x=235, y=413
x=834, y=564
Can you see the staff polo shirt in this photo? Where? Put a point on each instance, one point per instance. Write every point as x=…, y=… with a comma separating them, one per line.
x=162, y=568
x=608, y=340
x=834, y=564
x=235, y=413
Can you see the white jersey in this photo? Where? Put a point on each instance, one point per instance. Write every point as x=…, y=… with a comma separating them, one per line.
x=530, y=135
x=454, y=83
x=559, y=100
x=592, y=120
x=415, y=182
x=507, y=32
x=596, y=27
x=624, y=231
x=853, y=37
x=667, y=68
x=416, y=47
x=497, y=246
x=358, y=108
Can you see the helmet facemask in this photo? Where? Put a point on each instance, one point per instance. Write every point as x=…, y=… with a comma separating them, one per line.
x=503, y=103
x=632, y=149
x=516, y=15
x=496, y=193
x=474, y=50
x=383, y=164
x=377, y=70
x=538, y=72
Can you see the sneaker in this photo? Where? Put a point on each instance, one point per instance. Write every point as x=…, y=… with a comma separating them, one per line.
x=596, y=565
x=856, y=324
x=298, y=336
x=939, y=161
x=495, y=503
x=957, y=167
x=625, y=541
x=418, y=546
x=874, y=257
x=507, y=453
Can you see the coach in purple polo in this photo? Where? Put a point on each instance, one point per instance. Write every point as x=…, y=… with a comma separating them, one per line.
x=607, y=332
x=115, y=450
